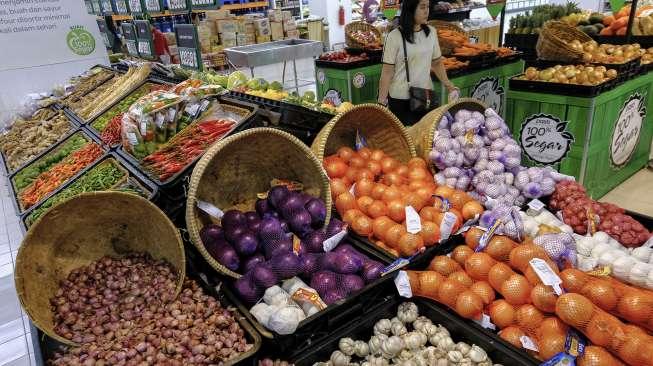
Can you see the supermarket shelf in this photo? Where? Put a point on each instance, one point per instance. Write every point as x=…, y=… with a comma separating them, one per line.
x=257, y=4
x=122, y=17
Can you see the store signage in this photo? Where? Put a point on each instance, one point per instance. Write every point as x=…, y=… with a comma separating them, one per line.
x=107, y=8
x=358, y=80
x=102, y=25
x=144, y=39
x=627, y=130
x=121, y=7
x=494, y=7
x=334, y=97
x=154, y=6
x=136, y=6
x=204, y=4
x=544, y=139
x=129, y=33
x=178, y=5
x=489, y=91
x=190, y=56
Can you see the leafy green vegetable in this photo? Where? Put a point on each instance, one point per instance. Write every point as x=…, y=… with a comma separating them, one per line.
x=26, y=176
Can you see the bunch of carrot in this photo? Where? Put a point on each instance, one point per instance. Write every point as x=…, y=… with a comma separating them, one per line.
x=50, y=180
x=182, y=149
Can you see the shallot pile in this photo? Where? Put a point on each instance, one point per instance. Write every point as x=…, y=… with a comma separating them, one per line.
x=122, y=311
x=407, y=339
x=474, y=151
x=585, y=215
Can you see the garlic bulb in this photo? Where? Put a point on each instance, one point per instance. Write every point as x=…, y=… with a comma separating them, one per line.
x=446, y=344
x=585, y=245
x=421, y=322
x=463, y=348
x=339, y=359
x=414, y=340
x=642, y=253
x=398, y=328
x=361, y=349
x=429, y=330
x=477, y=354
x=465, y=362
x=600, y=249
x=382, y=327
x=375, y=343
x=639, y=273
x=346, y=345
x=407, y=312
x=392, y=346
x=621, y=267
x=377, y=361
x=454, y=356
x=608, y=257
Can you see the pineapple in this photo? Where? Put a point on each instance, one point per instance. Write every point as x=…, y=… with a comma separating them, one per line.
x=529, y=26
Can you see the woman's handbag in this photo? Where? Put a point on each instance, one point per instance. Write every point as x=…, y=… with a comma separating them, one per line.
x=421, y=100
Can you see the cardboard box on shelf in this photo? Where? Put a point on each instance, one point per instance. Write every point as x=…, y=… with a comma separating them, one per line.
x=226, y=43
x=226, y=25
x=207, y=28
x=276, y=30
x=289, y=25
x=217, y=14
x=242, y=39
x=263, y=39
x=275, y=15
x=287, y=15
x=227, y=36
x=292, y=34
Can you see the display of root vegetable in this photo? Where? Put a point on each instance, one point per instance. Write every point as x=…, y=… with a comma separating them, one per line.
x=407, y=339
x=122, y=311
x=475, y=151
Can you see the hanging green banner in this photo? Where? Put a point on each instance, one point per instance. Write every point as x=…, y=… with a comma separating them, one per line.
x=494, y=7
x=616, y=5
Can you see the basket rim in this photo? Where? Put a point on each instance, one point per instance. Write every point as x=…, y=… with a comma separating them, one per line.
x=320, y=144
x=192, y=223
x=18, y=276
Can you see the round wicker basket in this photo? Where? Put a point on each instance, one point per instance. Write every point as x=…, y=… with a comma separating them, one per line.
x=81, y=230
x=424, y=131
x=553, y=44
x=377, y=124
x=359, y=26
x=232, y=172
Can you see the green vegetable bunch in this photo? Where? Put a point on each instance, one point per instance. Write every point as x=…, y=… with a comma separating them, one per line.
x=101, y=122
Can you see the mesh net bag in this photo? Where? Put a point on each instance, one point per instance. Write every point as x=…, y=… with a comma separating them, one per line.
x=478, y=266
x=597, y=356
x=629, y=343
x=500, y=247
x=516, y=289
x=522, y=255
x=566, y=193
x=560, y=247
x=449, y=292
x=544, y=298
x=444, y=265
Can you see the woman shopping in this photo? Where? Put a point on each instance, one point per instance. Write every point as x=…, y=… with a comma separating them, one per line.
x=406, y=87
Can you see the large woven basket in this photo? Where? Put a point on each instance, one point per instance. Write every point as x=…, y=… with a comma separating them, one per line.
x=377, y=124
x=359, y=26
x=81, y=230
x=232, y=172
x=423, y=132
x=554, y=41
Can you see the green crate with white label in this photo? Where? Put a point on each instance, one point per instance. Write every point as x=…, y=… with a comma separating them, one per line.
x=601, y=140
x=358, y=85
x=488, y=85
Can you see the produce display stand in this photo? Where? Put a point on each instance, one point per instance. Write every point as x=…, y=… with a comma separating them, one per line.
x=318, y=326
x=489, y=84
x=352, y=83
x=600, y=140
x=461, y=330
x=135, y=179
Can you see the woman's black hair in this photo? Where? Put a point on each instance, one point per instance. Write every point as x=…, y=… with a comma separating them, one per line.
x=407, y=20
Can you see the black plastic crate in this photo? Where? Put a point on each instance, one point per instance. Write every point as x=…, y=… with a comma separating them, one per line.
x=74, y=126
x=461, y=330
x=616, y=40
x=522, y=42
x=344, y=65
x=46, y=347
x=572, y=90
x=318, y=326
x=113, y=74
x=483, y=60
x=375, y=55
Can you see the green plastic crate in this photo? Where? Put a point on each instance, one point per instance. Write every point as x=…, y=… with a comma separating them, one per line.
x=489, y=85
x=359, y=85
x=601, y=141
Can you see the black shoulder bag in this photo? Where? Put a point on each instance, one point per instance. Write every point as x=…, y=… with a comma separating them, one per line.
x=421, y=100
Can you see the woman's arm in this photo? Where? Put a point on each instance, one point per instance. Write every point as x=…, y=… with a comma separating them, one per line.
x=387, y=73
x=437, y=67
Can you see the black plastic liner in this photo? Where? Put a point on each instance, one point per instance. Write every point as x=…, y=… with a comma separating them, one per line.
x=572, y=90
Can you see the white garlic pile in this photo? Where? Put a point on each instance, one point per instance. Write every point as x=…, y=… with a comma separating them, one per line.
x=407, y=340
x=544, y=217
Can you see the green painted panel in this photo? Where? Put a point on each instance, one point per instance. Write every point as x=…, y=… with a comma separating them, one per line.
x=577, y=117
x=360, y=85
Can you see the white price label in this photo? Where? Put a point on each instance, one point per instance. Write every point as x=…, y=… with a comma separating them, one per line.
x=172, y=112
x=546, y=274
x=205, y=103
x=210, y=209
x=152, y=5
x=143, y=128
x=353, y=189
x=131, y=48
x=413, y=221
x=528, y=343
x=192, y=109
x=468, y=224
x=144, y=48
x=160, y=118
x=446, y=225
x=177, y=4
x=333, y=241
x=486, y=323
x=135, y=6
x=188, y=57
x=133, y=140
x=536, y=205
x=403, y=284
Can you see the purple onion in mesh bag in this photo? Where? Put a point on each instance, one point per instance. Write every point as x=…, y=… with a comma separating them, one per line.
x=300, y=222
x=351, y=283
x=372, y=270
x=323, y=281
x=224, y=253
x=332, y=296
x=305, y=197
x=335, y=226
x=284, y=226
x=252, y=261
x=317, y=210
x=313, y=241
x=285, y=265
x=273, y=248
x=211, y=233
x=233, y=218
x=328, y=261
x=348, y=263
x=234, y=232
x=263, y=207
x=290, y=205
x=277, y=194
x=247, y=290
x=263, y=276
x=271, y=230
x=246, y=244
x=309, y=264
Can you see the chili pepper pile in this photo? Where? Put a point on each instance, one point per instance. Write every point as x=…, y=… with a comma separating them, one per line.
x=182, y=149
x=111, y=133
x=49, y=181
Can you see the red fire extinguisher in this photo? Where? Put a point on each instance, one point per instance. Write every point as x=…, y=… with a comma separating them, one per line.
x=341, y=14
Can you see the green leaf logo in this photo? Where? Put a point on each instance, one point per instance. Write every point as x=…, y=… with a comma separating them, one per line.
x=80, y=41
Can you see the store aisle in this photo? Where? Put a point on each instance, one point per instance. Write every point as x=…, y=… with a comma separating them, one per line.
x=15, y=338
x=634, y=194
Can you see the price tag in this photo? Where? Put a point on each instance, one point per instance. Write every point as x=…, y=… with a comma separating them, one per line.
x=132, y=49
x=204, y=105
x=192, y=109
x=403, y=285
x=177, y=5
x=574, y=344
x=536, y=205
x=448, y=221
x=153, y=6
x=546, y=274
x=333, y=241
x=133, y=140
x=144, y=48
x=143, y=128
x=160, y=118
x=210, y=209
x=485, y=322
x=135, y=6
x=528, y=343
x=172, y=113
x=468, y=224
x=352, y=189
x=487, y=235
x=413, y=221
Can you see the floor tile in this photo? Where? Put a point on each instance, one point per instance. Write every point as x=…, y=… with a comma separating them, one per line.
x=13, y=350
x=634, y=193
x=11, y=330
x=5, y=258
x=23, y=361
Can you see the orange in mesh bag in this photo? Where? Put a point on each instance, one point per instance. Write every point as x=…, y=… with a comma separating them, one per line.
x=602, y=329
x=444, y=265
x=627, y=302
x=528, y=318
x=473, y=236
x=425, y=283
x=500, y=247
x=597, y=356
x=516, y=290
x=498, y=274
x=502, y=313
x=544, y=298
x=478, y=266
x=484, y=290
x=462, y=277
x=447, y=291
x=461, y=253
x=522, y=254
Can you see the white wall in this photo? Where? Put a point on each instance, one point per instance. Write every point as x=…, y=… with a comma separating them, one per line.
x=328, y=9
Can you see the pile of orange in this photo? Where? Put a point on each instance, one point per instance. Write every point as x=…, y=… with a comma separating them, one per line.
x=371, y=191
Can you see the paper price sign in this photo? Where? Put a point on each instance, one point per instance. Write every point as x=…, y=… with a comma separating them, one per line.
x=132, y=48
x=144, y=37
x=177, y=5
x=121, y=7
x=188, y=46
x=106, y=7
x=102, y=25
x=204, y=4
x=136, y=6
x=144, y=48
x=188, y=57
x=153, y=6
x=129, y=32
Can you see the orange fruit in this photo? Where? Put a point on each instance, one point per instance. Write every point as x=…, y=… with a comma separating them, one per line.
x=472, y=237
x=357, y=162
x=430, y=281
x=635, y=306
x=469, y=305
x=409, y=244
x=512, y=335
x=448, y=292
x=444, y=265
x=335, y=167
x=444, y=191
x=461, y=253
x=412, y=199
x=573, y=280
x=393, y=235
x=521, y=255
x=418, y=173
x=426, y=195
x=544, y=298
x=351, y=214
x=551, y=344
x=416, y=163
x=478, y=265
x=397, y=211
x=484, y=290
x=365, y=153
x=597, y=356
x=364, y=202
x=471, y=209
x=363, y=187
x=380, y=226
x=374, y=167
x=362, y=225
x=502, y=313
x=528, y=317
x=601, y=328
x=516, y=290
x=428, y=213
x=377, y=209
x=458, y=199
x=338, y=186
x=364, y=174
x=402, y=170
x=574, y=309
x=498, y=274
x=552, y=325
x=377, y=155
x=462, y=277
x=603, y=295
x=345, y=153
x=388, y=164
x=391, y=194
x=378, y=190
x=430, y=233
x=500, y=247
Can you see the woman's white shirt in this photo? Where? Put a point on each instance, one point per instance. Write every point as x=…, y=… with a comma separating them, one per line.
x=421, y=54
